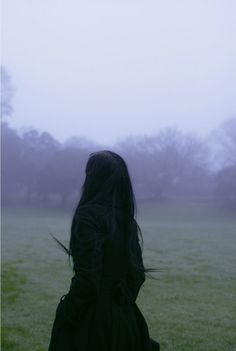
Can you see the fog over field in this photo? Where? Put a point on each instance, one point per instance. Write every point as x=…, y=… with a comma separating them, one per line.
x=152, y=81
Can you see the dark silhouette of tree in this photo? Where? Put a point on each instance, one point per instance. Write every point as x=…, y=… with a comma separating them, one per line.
x=36, y=152
x=62, y=174
x=226, y=187
x=11, y=149
x=224, y=150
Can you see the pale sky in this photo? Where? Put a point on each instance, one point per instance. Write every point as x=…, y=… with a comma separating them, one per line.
x=108, y=69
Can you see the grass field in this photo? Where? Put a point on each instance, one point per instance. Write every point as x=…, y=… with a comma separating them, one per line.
x=190, y=305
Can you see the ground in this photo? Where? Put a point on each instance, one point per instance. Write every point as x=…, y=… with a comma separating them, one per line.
x=189, y=304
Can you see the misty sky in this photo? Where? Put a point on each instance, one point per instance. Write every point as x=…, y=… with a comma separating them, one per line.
x=107, y=69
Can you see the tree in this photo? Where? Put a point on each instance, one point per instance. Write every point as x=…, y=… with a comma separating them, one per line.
x=226, y=186
x=37, y=150
x=11, y=149
x=81, y=142
x=223, y=144
x=167, y=161
x=62, y=174
x=7, y=93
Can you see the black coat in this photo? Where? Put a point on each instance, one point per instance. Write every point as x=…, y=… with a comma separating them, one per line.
x=99, y=313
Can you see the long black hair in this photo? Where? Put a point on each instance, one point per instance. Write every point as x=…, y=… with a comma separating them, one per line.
x=108, y=183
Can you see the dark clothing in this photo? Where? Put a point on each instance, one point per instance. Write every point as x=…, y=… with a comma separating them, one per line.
x=99, y=312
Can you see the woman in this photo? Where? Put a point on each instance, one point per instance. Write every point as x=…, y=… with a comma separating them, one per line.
x=99, y=313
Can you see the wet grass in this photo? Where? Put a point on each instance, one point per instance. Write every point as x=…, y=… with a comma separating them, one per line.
x=190, y=305
x=13, y=284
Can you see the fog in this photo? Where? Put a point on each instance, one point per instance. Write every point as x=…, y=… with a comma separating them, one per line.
x=153, y=81
x=109, y=69
x=170, y=165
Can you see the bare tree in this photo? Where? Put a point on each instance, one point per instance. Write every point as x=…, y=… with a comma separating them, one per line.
x=166, y=161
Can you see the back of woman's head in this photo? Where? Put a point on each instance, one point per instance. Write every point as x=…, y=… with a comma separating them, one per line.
x=107, y=182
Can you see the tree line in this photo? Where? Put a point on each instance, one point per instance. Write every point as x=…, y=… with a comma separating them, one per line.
x=38, y=169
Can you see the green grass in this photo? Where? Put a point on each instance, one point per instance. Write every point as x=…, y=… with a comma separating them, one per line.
x=190, y=305
x=12, y=283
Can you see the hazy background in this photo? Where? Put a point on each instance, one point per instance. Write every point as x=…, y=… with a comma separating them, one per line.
x=154, y=81
x=107, y=69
